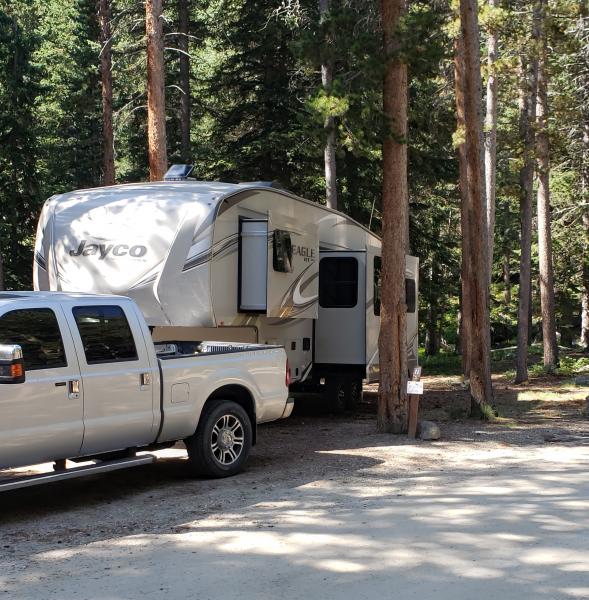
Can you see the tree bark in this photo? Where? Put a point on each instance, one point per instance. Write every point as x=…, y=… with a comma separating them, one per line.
x=156, y=100
x=481, y=389
x=584, y=341
x=527, y=117
x=506, y=276
x=392, y=393
x=183, y=46
x=584, y=102
x=108, y=154
x=544, y=218
x=491, y=139
x=465, y=324
x=2, y=285
x=330, y=129
x=432, y=338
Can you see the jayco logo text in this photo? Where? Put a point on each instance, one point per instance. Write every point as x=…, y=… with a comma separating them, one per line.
x=104, y=250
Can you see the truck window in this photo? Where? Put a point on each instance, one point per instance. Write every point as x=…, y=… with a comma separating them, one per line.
x=338, y=282
x=106, y=335
x=36, y=331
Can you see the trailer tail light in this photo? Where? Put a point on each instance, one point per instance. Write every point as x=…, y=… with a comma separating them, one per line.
x=287, y=377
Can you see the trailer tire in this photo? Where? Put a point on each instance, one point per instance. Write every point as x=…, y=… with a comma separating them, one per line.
x=222, y=441
x=335, y=392
x=353, y=393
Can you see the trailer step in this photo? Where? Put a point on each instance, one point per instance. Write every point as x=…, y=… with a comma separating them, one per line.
x=99, y=467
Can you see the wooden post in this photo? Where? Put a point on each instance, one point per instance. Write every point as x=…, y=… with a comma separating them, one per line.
x=414, y=406
x=413, y=415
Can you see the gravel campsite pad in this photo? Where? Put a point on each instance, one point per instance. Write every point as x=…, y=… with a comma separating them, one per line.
x=329, y=508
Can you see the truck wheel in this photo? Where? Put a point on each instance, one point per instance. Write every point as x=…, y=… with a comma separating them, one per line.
x=335, y=392
x=222, y=441
x=353, y=393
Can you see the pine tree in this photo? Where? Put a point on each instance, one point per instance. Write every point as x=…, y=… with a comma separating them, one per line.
x=156, y=97
x=477, y=289
x=528, y=86
x=108, y=156
x=19, y=189
x=544, y=218
x=392, y=393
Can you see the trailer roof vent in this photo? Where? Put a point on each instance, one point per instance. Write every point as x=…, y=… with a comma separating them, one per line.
x=178, y=173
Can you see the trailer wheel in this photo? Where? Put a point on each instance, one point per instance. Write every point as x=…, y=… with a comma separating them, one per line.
x=222, y=442
x=335, y=392
x=353, y=393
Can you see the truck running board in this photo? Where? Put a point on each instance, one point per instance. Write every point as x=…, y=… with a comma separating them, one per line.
x=99, y=467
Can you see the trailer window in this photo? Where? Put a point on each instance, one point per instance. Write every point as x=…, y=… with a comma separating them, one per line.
x=282, y=251
x=105, y=334
x=410, y=295
x=377, y=284
x=36, y=331
x=338, y=282
x=410, y=289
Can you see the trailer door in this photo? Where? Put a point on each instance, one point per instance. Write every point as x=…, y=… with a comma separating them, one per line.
x=340, y=331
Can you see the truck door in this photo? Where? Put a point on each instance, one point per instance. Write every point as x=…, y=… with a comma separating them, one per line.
x=41, y=419
x=340, y=331
x=117, y=378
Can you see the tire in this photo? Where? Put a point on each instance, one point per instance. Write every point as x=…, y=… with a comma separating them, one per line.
x=353, y=393
x=222, y=441
x=336, y=394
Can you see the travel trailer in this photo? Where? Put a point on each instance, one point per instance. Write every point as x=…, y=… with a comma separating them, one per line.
x=230, y=262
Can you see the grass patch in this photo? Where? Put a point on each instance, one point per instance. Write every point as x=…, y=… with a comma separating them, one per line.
x=488, y=413
x=502, y=363
x=441, y=364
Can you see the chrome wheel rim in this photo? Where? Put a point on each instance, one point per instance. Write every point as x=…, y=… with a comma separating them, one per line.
x=227, y=439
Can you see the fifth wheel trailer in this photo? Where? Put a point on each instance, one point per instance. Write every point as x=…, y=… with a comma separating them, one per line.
x=234, y=263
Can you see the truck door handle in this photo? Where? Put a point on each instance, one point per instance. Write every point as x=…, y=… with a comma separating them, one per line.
x=74, y=389
x=145, y=380
x=60, y=384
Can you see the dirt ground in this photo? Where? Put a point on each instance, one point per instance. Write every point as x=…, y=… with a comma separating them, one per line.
x=328, y=508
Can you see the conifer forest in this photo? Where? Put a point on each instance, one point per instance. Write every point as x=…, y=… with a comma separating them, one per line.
x=94, y=92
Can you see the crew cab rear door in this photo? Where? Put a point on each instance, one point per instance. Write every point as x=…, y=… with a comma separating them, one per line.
x=42, y=418
x=117, y=376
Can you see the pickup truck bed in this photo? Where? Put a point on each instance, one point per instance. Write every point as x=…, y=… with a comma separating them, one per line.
x=92, y=385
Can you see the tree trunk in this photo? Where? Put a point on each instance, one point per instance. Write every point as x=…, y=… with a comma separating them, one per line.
x=506, y=276
x=585, y=195
x=527, y=117
x=183, y=46
x=2, y=285
x=584, y=341
x=584, y=102
x=156, y=100
x=491, y=139
x=481, y=389
x=392, y=392
x=108, y=154
x=544, y=219
x=464, y=316
x=432, y=338
x=330, y=130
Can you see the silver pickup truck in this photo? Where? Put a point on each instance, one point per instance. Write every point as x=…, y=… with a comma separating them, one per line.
x=80, y=379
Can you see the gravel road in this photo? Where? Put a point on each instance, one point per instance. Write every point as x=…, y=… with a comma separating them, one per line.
x=327, y=508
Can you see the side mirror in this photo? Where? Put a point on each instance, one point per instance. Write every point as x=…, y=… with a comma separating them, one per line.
x=12, y=365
